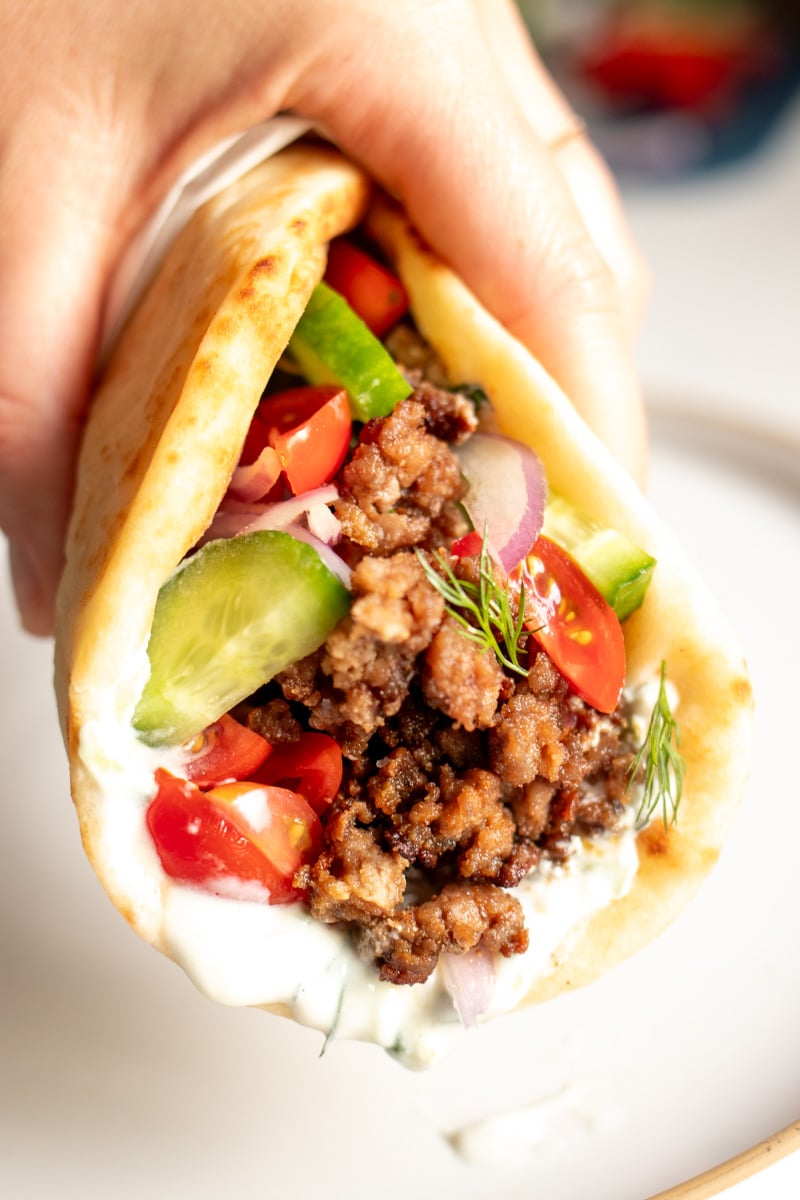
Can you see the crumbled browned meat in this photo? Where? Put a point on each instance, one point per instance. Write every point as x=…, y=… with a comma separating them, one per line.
x=363, y=672
x=474, y=819
x=531, y=807
x=299, y=681
x=459, y=747
x=461, y=678
x=400, y=482
x=399, y=783
x=352, y=880
x=459, y=776
x=406, y=946
x=415, y=357
x=463, y=816
x=449, y=416
x=528, y=738
x=275, y=721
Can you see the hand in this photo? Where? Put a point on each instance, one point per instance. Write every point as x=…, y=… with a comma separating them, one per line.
x=102, y=106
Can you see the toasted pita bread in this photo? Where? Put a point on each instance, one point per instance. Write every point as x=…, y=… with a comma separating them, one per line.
x=166, y=430
x=165, y=433
x=678, y=623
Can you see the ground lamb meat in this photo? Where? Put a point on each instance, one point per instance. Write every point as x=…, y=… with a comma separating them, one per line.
x=448, y=415
x=353, y=880
x=275, y=721
x=461, y=678
x=401, y=485
x=407, y=945
x=459, y=776
x=462, y=816
x=415, y=357
x=529, y=739
x=362, y=673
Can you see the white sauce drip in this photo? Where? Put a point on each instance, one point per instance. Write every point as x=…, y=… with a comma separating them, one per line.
x=240, y=951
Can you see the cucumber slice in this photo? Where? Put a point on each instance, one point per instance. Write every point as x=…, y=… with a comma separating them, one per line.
x=618, y=568
x=332, y=345
x=232, y=616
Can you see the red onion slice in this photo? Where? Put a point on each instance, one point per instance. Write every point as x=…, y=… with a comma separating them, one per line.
x=226, y=524
x=238, y=516
x=255, y=480
x=286, y=512
x=507, y=494
x=324, y=524
x=336, y=565
x=469, y=978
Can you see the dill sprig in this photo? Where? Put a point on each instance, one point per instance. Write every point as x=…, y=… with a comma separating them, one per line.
x=664, y=766
x=482, y=609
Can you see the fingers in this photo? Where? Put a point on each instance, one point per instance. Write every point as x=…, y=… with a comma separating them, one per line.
x=443, y=130
x=52, y=271
x=582, y=168
x=443, y=102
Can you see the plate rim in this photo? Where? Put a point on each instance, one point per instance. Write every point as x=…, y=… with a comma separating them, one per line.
x=783, y=1142
x=740, y=1167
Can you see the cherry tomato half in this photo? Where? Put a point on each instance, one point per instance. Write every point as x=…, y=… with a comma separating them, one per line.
x=309, y=427
x=224, y=751
x=373, y=292
x=572, y=622
x=468, y=546
x=236, y=834
x=312, y=766
x=280, y=822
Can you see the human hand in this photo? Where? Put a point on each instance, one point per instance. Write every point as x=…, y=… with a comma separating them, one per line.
x=445, y=103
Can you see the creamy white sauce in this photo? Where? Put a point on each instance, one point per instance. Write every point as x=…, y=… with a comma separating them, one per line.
x=241, y=951
x=551, y=1125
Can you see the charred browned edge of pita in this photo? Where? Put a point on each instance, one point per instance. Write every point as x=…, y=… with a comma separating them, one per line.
x=169, y=418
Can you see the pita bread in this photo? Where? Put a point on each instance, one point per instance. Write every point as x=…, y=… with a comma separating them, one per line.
x=678, y=623
x=166, y=430
x=165, y=433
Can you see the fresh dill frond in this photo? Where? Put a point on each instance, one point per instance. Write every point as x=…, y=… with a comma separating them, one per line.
x=664, y=766
x=482, y=609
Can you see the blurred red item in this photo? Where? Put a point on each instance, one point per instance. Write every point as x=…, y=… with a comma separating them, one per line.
x=662, y=57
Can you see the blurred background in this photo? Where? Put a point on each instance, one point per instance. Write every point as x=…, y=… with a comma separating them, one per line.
x=695, y=104
x=672, y=86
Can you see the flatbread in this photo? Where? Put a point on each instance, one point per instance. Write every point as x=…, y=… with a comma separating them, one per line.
x=678, y=623
x=167, y=427
x=165, y=433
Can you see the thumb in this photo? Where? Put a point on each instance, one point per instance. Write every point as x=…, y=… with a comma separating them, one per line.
x=52, y=267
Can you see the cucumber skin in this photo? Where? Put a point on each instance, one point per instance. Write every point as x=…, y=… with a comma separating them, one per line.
x=301, y=597
x=333, y=345
x=620, y=570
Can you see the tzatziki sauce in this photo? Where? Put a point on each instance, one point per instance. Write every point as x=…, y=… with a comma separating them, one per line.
x=239, y=950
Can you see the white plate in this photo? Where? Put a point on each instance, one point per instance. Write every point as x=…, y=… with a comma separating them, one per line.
x=119, y=1079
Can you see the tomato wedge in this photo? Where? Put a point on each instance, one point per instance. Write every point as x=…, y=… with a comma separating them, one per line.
x=572, y=622
x=309, y=428
x=237, y=834
x=278, y=821
x=373, y=292
x=225, y=750
x=312, y=766
x=467, y=546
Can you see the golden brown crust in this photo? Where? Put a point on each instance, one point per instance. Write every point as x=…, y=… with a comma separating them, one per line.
x=171, y=414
